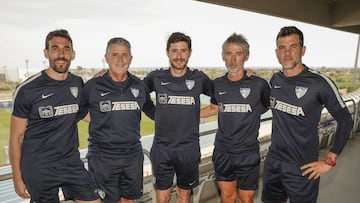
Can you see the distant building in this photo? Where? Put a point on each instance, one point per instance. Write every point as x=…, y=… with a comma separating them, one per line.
x=9, y=74
x=2, y=77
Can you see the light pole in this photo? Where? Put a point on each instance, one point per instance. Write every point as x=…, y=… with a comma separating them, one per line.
x=103, y=61
x=356, y=62
x=5, y=73
x=44, y=62
x=27, y=68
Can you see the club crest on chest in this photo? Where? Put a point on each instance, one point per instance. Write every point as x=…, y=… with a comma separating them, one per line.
x=245, y=92
x=74, y=91
x=300, y=91
x=135, y=92
x=190, y=84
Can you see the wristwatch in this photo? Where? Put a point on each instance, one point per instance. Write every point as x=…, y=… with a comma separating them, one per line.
x=328, y=161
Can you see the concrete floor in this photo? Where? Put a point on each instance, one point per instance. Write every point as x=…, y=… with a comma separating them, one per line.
x=342, y=183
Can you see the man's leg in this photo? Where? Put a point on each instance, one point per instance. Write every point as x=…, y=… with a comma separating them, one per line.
x=163, y=196
x=163, y=172
x=228, y=191
x=187, y=173
x=95, y=201
x=77, y=182
x=273, y=190
x=124, y=200
x=183, y=195
x=246, y=196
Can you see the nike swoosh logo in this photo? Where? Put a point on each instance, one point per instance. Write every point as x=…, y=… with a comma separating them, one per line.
x=192, y=183
x=104, y=93
x=164, y=83
x=46, y=96
x=222, y=93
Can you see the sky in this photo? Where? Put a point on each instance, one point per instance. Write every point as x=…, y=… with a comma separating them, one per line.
x=147, y=24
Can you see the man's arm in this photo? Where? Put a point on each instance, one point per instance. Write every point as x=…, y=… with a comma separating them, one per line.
x=17, y=130
x=343, y=130
x=87, y=118
x=149, y=108
x=209, y=110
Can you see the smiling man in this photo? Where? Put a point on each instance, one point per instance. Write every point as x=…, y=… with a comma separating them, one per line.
x=44, y=136
x=115, y=101
x=176, y=143
x=239, y=100
x=292, y=167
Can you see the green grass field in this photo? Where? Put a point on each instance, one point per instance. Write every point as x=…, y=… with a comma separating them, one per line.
x=4, y=133
x=146, y=128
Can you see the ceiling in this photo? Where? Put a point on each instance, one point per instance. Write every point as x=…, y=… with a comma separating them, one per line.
x=337, y=14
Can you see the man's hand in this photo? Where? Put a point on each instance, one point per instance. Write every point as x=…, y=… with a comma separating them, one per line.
x=20, y=189
x=315, y=169
x=250, y=72
x=100, y=73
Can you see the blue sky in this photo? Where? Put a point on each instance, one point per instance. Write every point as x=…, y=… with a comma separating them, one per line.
x=147, y=24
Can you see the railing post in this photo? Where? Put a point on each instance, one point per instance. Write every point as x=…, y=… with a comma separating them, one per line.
x=6, y=149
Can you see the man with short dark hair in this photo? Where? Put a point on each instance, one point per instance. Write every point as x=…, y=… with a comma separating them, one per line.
x=176, y=147
x=298, y=94
x=44, y=140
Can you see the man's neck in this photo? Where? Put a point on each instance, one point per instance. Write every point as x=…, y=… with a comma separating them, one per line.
x=118, y=77
x=235, y=76
x=177, y=72
x=294, y=71
x=56, y=75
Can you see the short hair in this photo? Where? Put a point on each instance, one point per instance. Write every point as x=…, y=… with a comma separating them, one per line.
x=238, y=39
x=58, y=33
x=289, y=30
x=118, y=41
x=178, y=37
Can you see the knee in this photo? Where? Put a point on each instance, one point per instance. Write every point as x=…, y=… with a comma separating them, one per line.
x=124, y=200
x=228, y=196
x=246, y=198
x=163, y=198
x=183, y=195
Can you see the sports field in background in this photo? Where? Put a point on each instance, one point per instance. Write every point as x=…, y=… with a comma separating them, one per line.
x=4, y=133
x=146, y=128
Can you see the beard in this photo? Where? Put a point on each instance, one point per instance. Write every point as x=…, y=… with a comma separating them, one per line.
x=290, y=66
x=174, y=64
x=234, y=69
x=60, y=68
x=289, y=62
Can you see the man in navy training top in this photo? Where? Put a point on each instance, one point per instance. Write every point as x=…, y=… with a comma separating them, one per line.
x=176, y=147
x=43, y=134
x=239, y=101
x=115, y=101
x=298, y=94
